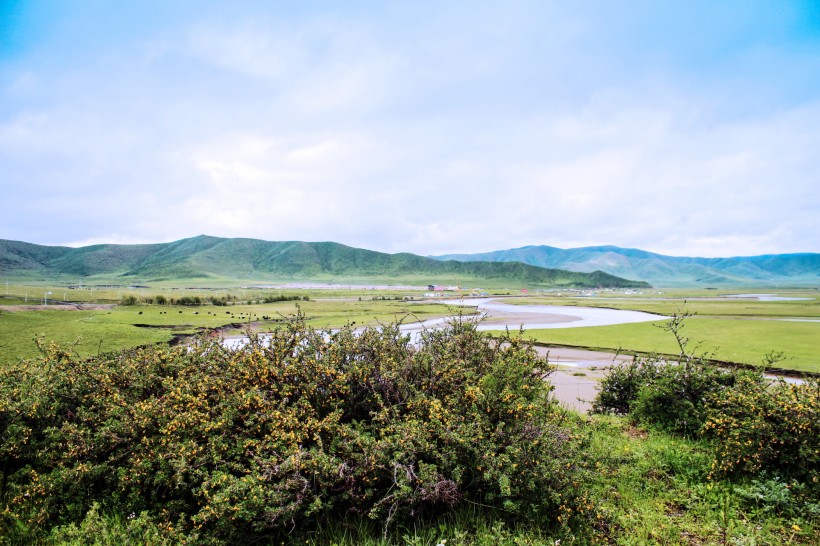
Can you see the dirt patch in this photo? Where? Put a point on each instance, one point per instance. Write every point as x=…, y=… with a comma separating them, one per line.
x=675, y=510
x=573, y=392
x=634, y=432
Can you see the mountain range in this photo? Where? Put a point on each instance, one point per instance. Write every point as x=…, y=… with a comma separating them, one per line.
x=205, y=258
x=660, y=270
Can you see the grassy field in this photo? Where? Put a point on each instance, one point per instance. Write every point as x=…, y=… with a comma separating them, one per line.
x=34, y=294
x=699, y=302
x=93, y=331
x=730, y=340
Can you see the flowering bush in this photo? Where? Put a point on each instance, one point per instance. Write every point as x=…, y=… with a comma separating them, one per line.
x=763, y=427
x=227, y=444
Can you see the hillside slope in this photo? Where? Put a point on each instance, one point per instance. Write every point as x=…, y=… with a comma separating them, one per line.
x=661, y=270
x=205, y=257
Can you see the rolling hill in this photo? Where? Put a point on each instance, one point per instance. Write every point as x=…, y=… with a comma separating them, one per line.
x=660, y=270
x=206, y=257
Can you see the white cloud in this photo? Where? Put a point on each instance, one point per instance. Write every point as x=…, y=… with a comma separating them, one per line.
x=463, y=130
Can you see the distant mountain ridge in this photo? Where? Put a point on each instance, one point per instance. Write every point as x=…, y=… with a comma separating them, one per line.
x=801, y=269
x=205, y=257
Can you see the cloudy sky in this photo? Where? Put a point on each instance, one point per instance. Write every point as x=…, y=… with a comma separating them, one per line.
x=686, y=128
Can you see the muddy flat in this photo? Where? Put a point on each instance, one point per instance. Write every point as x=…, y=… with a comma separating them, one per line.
x=577, y=374
x=528, y=318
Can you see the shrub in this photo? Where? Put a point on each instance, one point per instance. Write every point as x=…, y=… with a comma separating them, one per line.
x=102, y=530
x=763, y=427
x=618, y=389
x=672, y=396
x=281, y=297
x=231, y=444
x=676, y=398
x=669, y=393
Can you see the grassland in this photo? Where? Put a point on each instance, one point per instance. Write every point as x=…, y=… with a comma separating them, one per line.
x=726, y=339
x=700, y=302
x=100, y=330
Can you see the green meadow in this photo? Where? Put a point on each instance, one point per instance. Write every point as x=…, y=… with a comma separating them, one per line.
x=699, y=302
x=730, y=340
x=92, y=331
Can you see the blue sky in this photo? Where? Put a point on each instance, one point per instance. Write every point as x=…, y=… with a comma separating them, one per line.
x=682, y=128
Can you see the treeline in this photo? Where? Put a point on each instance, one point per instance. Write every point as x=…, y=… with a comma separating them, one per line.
x=220, y=301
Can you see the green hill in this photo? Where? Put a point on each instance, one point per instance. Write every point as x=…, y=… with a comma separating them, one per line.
x=205, y=257
x=659, y=270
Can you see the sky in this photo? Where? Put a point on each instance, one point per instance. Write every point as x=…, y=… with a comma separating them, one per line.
x=684, y=128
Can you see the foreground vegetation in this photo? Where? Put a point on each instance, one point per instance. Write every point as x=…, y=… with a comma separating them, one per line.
x=337, y=438
x=223, y=446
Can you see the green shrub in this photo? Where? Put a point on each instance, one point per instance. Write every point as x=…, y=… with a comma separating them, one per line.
x=281, y=297
x=763, y=427
x=97, y=529
x=259, y=441
x=618, y=389
x=676, y=398
x=668, y=393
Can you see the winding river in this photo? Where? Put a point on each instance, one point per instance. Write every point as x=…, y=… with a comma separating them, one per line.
x=497, y=315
